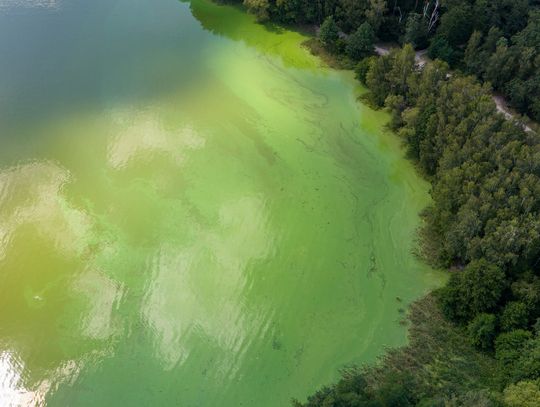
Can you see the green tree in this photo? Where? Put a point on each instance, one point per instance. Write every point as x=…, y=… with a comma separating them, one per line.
x=416, y=32
x=527, y=366
x=360, y=44
x=329, y=33
x=514, y=316
x=456, y=25
x=522, y=394
x=441, y=49
x=260, y=8
x=500, y=66
x=362, y=68
x=375, y=13
x=376, y=80
x=396, y=105
x=402, y=68
x=477, y=289
x=351, y=13
x=474, y=55
x=482, y=330
x=527, y=290
x=509, y=346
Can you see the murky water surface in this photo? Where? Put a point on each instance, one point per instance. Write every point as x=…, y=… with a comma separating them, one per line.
x=193, y=211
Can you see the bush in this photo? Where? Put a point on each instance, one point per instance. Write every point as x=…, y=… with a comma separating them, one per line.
x=508, y=349
x=416, y=31
x=522, y=394
x=475, y=290
x=362, y=69
x=514, y=316
x=360, y=44
x=440, y=49
x=528, y=364
x=482, y=331
x=329, y=33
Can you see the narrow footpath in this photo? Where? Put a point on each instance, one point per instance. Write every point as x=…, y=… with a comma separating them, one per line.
x=422, y=59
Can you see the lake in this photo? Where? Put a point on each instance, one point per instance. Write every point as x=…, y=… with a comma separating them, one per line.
x=194, y=211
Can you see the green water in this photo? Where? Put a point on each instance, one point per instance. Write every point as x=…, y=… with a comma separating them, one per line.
x=193, y=211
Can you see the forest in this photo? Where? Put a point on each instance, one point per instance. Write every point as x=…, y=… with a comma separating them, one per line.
x=475, y=341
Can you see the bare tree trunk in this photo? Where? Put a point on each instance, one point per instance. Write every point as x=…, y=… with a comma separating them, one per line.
x=434, y=16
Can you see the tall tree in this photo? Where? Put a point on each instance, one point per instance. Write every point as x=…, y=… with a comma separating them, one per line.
x=260, y=8
x=329, y=33
x=360, y=44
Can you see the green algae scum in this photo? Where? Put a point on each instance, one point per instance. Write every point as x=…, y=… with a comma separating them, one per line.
x=193, y=211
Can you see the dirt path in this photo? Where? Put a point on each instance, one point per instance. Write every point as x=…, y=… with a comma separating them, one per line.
x=422, y=59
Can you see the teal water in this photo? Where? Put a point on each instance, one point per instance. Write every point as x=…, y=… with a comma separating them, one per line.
x=193, y=211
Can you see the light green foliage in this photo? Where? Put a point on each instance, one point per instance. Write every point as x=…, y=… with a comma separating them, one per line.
x=527, y=290
x=395, y=105
x=523, y=394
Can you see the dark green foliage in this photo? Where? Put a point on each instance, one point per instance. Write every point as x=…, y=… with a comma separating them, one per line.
x=441, y=49
x=511, y=62
x=329, y=33
x=476, y=290
x=486, y=201
x=416, y=31
x=362, y=69
x=527, y=366
x=360, y=44
x=475, y=56
x=510, y=345
x=456, y=25
x=482, y=330
x=518, y=354
x=515, y=315
x=527, y=290
x=376, y=80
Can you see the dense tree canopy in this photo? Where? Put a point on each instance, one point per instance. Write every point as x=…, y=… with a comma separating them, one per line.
x=360, y=43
